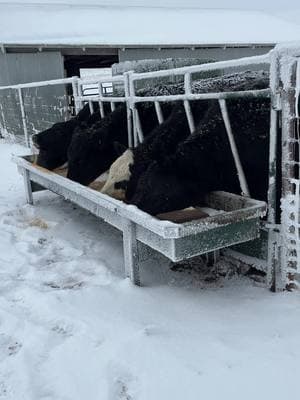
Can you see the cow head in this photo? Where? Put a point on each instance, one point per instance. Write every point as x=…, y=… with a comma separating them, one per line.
x=89, y=155
x=119, y=174
x=53, y=144
x=162, y=189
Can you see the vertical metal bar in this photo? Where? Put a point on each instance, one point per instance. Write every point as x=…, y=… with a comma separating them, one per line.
x=23, y=115
x=139, y=126
x=288, y=129
x=28, y=188
x=288, y=71
x=112, y=106
x=101, y=108
x=235, y=153
x=91, y=106
x=274, y=274
x=75, y=94
x=186, y=103
x=159, y=113
x=131, y=259
x=80, y=95
x=297, y=93
x=133, y=109
x=128, y=109
x=189, y=115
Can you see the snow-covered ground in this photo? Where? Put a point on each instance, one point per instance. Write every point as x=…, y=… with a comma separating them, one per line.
x=71, y=327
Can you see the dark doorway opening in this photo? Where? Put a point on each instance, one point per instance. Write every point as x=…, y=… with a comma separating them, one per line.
x=73, y=63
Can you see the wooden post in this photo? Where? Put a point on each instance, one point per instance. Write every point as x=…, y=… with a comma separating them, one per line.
x=131, y=252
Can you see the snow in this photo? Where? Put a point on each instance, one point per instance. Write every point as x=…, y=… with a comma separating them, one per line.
x=72, y=328
x=76, y=23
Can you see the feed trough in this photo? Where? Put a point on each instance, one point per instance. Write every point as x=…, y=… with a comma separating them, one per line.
x=236, y=219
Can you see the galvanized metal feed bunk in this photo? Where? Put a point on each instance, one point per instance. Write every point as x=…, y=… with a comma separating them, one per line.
x=240, y=222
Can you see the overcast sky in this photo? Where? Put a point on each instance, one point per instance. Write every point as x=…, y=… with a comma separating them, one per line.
x=237, y=4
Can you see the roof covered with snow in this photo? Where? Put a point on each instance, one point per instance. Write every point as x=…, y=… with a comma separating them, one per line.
x=117, y=25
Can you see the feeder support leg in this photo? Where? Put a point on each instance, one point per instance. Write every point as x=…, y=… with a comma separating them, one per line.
x=131, y=253
x=28, y=188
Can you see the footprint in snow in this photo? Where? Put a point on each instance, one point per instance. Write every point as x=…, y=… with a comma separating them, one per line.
x=121, y=383
x=8, y=346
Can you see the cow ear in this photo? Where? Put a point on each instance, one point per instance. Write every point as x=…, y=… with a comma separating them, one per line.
x=119, y=148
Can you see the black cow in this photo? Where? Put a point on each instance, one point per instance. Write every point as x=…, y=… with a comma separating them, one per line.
x=126, y=171
x=204, y=162
x=160, y=143
x=53, y=143
x=92, y=151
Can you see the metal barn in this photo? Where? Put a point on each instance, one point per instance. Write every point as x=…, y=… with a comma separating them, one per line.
x=58, y=41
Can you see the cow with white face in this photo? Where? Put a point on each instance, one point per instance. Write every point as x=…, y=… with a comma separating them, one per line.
x=119, y=175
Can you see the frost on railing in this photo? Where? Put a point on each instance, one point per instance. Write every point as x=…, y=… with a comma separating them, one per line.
x=291, y=231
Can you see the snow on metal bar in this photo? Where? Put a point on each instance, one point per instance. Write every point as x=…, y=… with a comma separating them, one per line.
x=297, y=88
x=159, y=113
x=139, y=126
x=189, y=115
x=234, y=150
x=101, y=107
x=96, y=97
x=88, y=80
x=128, y=110
x=39, y=84
x=91, y=107
x=23, y=117
x=291, y=227
x=240, y=62
x=204, y=96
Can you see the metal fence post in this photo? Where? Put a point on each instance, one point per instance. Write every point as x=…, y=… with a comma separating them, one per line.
x=23, y=117
x=133, y=109
x=275, y=279
x=75, y=94
x=130, y=248
x=289, y=173
x=186, y=103
x=128, y=109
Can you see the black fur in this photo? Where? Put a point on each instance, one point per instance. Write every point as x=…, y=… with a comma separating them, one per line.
x=162, y=142
x=204, y=162
x=53, y=143
x=93, y=150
